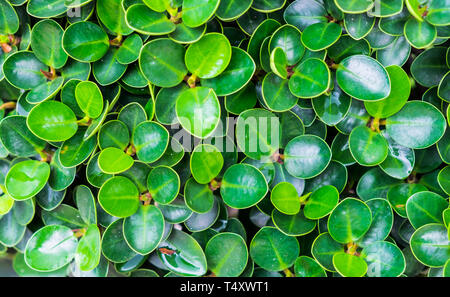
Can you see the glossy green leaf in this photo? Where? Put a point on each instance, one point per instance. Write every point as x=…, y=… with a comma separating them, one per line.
x=349, y=265
x=311, y=79
x=363, y=78
x=418, y=125
x=52, y=121
x=210, y=56
x=150, y=140
x=26, y=179
x=236, y=76
x=328, y=34
x=46, y=41
x=88, y=250
x=430, y=245
x=114, y=161
x=321, y=202
x=349, y=221
x=89, y=99
x=425, y=208
x=306, y=156
x=144, y=230
x=226, y=254
x=369, y=148
x=399, y=95
x=50, y=248
x=90, y=46
x=119, y=197
x=198, y=12
x=182, y=254
x=272, y=250
x=243, y=181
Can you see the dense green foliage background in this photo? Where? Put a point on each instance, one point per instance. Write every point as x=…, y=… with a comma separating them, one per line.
x=225, y=138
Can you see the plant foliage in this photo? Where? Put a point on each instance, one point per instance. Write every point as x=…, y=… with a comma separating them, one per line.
x=225, y=137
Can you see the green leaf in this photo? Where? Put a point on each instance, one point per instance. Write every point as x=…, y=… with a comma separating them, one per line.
x=419, y=34
x=397, y=53
x=150, y=140
x=232, y=9
x=198, y=222
x=276, y=94
x=86, y=204
x=358, y=25
x=399, y=95
x=328, y=34
x=26, y=179
x=181, y=253
x=206, y=163
x=114, y=22
x=273, y=250
x=50, y=248
x=400, y=160
x=64, y=215
x=287, y=38
x=46, y=9
x=257, y=133
x=23, y=70
x=418, y=125
x=430, y=66
x=198, y=12
x=226, y=254
x=235, y=77
x=198, y=111
x=114, y=246
x=363, y=78
x=9, y=19
x=306, y=156
x=52, y=121
x=425, y=208
x=321, y=202
x=88, y=251
x=243, y=186
x=76, y=150
x=375, y=183
x=308, y=267
x=430, y=245
x=162, y=62
x=349, y=265
x=265, y=6
x=91, y=46
x=382, y=222
x=285, y=198
x=384, y=259
x=18, y=139
x=438, y=13
x=210, y=56
x=311, y=78
x=144, y=230
x=349, y=6
x=119, y=197
x=349, y=221
x=331, y=108
x=46, y=41
x=295, y=225
x=369, y=148
x=89, y=98
x=146, y=21
x=444, y=179
x=398, y=196
x=45, y=91
x=323, y=249
x=114, y=161
x=163, y=184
